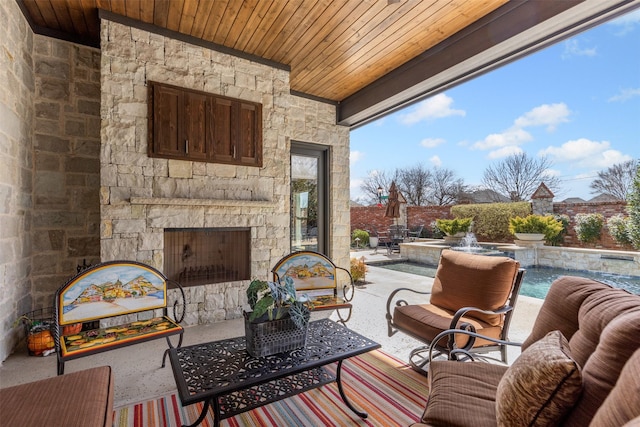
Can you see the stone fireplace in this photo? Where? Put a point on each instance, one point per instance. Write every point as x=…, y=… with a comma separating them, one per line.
x=142, y=197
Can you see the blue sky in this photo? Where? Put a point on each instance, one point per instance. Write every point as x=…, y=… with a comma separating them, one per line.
x=577, y=102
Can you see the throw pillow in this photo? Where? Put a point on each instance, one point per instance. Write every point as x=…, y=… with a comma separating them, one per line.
x=541, y=385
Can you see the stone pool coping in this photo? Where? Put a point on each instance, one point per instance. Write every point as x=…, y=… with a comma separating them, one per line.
x=537, y=255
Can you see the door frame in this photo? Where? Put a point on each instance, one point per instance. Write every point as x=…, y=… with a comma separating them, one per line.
x=322, y=154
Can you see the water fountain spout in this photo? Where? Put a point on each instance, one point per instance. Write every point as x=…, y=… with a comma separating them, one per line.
x=469, y=243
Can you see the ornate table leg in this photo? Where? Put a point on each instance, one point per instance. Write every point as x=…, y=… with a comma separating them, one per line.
x=205, y=410
x=358, y=412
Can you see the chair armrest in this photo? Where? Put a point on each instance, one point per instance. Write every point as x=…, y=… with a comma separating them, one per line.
x=402, y=301
x=399, y=302
x=464, y=310
x=456, y=353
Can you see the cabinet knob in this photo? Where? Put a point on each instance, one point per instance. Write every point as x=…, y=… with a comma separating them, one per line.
x=186, y=146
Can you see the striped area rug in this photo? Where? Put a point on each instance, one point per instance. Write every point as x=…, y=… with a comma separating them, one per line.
x=389, y=390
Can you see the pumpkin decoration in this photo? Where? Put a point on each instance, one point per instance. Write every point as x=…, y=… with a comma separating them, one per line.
x=71, y=329
x=39, y=342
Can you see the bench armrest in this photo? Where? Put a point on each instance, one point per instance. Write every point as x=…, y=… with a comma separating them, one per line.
x=178, y=310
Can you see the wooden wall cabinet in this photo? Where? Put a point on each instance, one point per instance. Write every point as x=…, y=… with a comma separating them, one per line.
x=191, y=125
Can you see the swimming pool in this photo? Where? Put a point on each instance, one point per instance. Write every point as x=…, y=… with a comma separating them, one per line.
x=537, y=280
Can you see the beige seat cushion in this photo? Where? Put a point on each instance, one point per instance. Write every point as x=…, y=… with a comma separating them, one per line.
x=426, y=321
x=541, y=386
x=462, y=393
x=468, y=280
x=79, y=399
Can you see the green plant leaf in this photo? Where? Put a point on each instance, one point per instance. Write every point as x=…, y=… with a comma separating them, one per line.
x=261, y=307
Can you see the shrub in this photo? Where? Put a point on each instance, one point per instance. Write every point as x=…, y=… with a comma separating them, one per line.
x=588, y=227
x=619, y=229
x=453, y=226
x=491, y=220
x=633, y=210
x=358, y=269
x=558, y=239
x=547, y=225
x=362, y=235
x=436, y=233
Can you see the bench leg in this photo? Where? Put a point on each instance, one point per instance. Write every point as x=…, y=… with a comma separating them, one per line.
x=166, y=352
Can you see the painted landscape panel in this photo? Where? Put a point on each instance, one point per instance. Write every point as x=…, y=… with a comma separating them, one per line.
x=112, y=290
x=308, y=272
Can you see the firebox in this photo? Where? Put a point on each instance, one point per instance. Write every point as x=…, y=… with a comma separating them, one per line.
x=200, y=256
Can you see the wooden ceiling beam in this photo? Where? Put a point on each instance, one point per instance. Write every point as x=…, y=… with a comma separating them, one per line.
x=415, y=80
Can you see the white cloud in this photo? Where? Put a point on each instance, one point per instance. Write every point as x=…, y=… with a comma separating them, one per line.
x=626, y=23
x=505, y=152
x=513, y=136
x=625, y=95
x=355, y=184
x=432, y=142
x=553, y=172
x=436, y=107
x=585, y=153
x=355, y=156
x=435, y=161
x=572, y=48
x=549, y=115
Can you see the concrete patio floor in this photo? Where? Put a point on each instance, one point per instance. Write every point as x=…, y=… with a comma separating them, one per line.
x=138, y=375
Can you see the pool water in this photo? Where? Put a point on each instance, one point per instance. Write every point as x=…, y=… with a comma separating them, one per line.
x=537, y=280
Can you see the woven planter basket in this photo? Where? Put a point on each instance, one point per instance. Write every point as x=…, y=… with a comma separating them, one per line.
x=265, y=338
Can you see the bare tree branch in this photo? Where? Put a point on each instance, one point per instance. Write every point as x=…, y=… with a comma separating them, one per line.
x=616, y=180
x=445, y=187
x=414, y=184
x=375, y=180
x=519, y=175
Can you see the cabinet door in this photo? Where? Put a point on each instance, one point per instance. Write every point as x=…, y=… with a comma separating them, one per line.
x=167, y=139
x=224, y=130
x=195, y=125
x=249, y=135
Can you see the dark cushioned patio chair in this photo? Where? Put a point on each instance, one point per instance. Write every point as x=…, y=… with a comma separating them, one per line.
x=472, y=292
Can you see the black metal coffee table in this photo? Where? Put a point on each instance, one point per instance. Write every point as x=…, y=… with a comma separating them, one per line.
x=227, y=378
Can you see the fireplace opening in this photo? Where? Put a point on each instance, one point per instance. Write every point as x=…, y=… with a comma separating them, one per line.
x=200, y=256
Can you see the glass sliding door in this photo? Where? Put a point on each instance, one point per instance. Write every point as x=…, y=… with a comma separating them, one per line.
x=308, y=197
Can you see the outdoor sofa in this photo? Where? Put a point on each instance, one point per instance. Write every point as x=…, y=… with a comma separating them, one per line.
x=580, y=366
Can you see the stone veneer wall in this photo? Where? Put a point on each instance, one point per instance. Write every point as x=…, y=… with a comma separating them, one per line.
x=66, y=142
x=140, y=196
x=16, y=167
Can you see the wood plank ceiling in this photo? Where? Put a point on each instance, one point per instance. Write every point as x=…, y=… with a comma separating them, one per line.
x=334, y=48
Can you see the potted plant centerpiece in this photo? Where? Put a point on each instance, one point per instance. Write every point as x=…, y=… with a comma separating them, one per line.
x=278, y=320
x=454, y=229
x=535, y=227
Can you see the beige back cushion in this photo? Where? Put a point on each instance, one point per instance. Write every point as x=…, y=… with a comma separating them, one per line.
x=468, y=280
x=602, y=325
x=623, y=403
